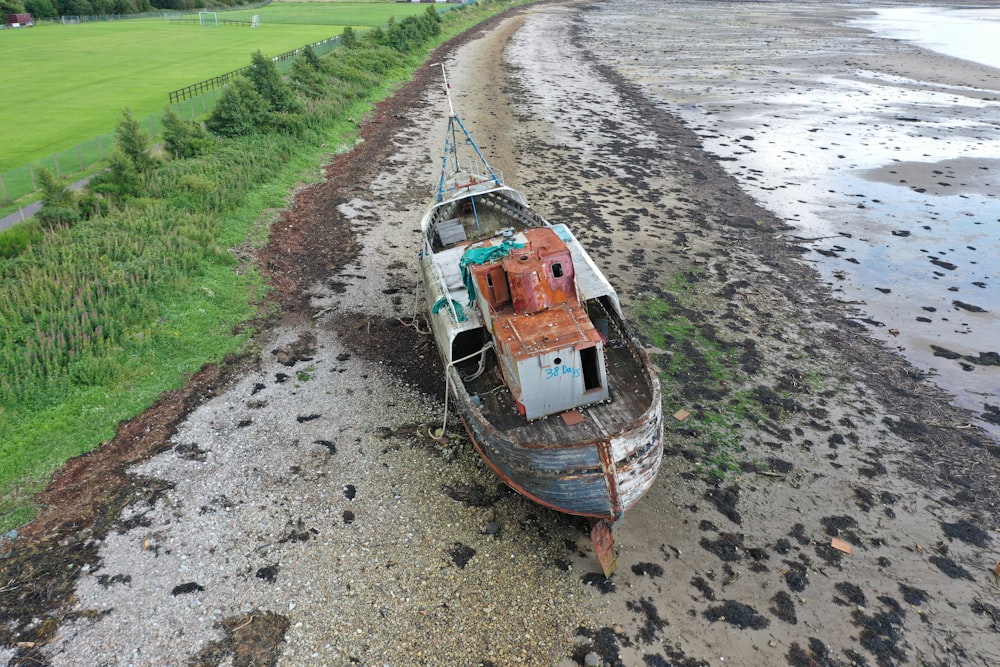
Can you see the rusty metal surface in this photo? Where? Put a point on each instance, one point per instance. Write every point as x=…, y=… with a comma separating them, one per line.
x=603, y=537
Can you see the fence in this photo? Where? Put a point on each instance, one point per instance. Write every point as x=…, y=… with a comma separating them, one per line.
x=209, y=85
x=190, y=101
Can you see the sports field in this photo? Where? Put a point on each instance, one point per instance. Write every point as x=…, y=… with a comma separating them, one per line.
x=65, y=84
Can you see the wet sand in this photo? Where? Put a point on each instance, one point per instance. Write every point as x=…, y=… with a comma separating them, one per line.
x=882, y=154
x=859, y=528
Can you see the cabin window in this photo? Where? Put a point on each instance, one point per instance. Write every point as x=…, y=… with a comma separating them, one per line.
x=591, y=368
x=489, y=279
x=557, y=270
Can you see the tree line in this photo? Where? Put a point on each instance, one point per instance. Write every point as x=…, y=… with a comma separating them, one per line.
x=47, y=9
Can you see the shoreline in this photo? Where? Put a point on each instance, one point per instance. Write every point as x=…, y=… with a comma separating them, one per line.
x=304, y=500
x=874, y=149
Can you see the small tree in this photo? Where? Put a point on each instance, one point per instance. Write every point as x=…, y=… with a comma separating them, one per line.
x=349, y=38
x=308, y=54
x=183, y=138
x=134, y=143
x=240, y=110
x=121, y=180
x=306, y=79
x=58, y=201
x=268, y=82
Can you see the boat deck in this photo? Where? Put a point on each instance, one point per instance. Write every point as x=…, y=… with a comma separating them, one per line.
x=631, y=395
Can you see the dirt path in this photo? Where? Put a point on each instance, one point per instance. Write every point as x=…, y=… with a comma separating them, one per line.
x=291, y=510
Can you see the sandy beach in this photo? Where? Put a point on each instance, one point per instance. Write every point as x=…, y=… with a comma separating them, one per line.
x=292, y=510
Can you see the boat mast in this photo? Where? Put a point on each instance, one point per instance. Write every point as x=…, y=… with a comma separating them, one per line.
x=451, y=142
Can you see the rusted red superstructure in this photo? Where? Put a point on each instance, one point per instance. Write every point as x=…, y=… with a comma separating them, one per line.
x=550, y=352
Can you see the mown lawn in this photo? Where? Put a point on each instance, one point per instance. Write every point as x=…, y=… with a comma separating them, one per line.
x=64, y=84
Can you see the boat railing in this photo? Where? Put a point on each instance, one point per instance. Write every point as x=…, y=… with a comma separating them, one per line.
x=470, y=173
x=441, y=280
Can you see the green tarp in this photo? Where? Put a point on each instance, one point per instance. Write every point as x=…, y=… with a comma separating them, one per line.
x=481, y=256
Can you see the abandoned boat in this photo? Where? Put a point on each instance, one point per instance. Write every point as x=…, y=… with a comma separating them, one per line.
x=554, y=389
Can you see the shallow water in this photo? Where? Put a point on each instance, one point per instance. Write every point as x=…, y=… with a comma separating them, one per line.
x=967, y=33
x=890, y=178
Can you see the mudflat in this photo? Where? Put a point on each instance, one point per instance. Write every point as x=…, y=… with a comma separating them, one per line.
x=822, y=504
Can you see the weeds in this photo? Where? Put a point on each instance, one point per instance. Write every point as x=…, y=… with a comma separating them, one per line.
x=99, y=317
x=701, y=374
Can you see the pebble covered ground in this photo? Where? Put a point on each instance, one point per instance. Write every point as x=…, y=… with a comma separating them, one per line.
x=300, y=513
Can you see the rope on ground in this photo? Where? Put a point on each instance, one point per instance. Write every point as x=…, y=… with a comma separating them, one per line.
x=438, y=434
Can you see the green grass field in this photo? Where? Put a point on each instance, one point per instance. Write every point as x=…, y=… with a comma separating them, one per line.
x=64, y=84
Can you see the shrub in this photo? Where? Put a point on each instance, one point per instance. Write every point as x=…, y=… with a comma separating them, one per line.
x=183, y=138
x=134, y=143
x=266, y=78
x=121, y=180
x=15, y=240
x=240, y=110
x=58, y=201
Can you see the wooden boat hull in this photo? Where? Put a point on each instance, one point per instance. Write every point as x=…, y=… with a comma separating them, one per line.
x=599, y=478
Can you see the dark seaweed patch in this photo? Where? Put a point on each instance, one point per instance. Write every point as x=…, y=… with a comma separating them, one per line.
x=185, y=588
x=652, y=570
x=851, y=592
x=913, y=596
x=779, y=465
x=782, y=546
x=950, y=567
x=703, y=587
x=784, y=607
x=738, y=614
x=796, y=576
x=864, y=499
x=461, y=554
x=729, y=546
x=725, y=502
x=841, y=526
x=105, y=581
x=881, y=633
x=599, y=581
x=980, y=608
x=966, y=532
x=250, y=639
x=268, y=573
x=652, y=623
x=474, y=495
x=604, y=642
x=330, y=446
x=817, y=655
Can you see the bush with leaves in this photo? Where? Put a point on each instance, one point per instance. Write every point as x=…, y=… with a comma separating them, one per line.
x=240, y=110
x=349, y=38
x=306, y=78
x=58, y=201
x=183, y=138
x=266, y=78
x=134, y=143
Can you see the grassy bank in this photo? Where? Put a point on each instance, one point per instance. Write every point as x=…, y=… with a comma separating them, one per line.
x=100, y=317
x=62, y=85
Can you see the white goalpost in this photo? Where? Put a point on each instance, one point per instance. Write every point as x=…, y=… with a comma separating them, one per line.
x=255, y=21
x=210, y=19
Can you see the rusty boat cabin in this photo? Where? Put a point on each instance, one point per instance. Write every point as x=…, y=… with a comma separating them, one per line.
x=552, y=385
